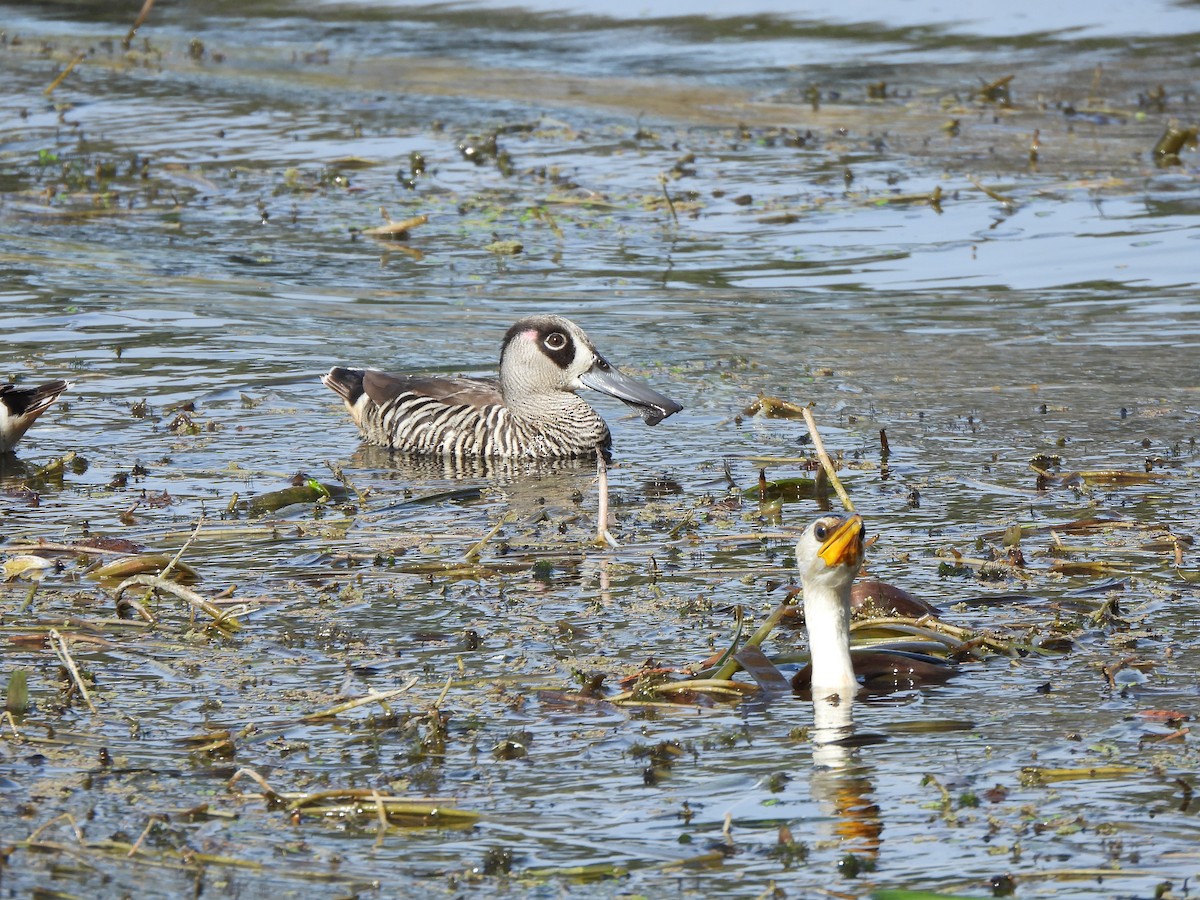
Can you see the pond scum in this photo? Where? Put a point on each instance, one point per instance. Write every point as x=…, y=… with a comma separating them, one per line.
x=176, y=721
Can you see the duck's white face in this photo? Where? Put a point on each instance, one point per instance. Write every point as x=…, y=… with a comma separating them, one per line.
x=830, y=553
x=546, y=354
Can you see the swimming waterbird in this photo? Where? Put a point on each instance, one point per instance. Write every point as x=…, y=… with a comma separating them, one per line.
x=829, y=555
x=531, y=411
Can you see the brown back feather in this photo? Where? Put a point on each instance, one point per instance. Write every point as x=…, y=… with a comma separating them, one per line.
x=477, y=392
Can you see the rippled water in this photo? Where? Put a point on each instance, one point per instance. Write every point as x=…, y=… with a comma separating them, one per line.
x=177, y=229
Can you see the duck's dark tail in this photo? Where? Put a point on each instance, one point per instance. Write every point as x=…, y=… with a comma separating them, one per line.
x=19, y=407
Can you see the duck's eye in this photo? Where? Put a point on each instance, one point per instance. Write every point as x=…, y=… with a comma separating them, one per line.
x=555, y=340
x=821, y=532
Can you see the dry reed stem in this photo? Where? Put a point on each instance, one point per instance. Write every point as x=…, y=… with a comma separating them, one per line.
x=12, y=723
x=360, y=701
x=137, y=23
x=473, y=554
x=48, y=823
x=154, y=820
x=221, y=618
x=171, y=565
x=63, y=74
x=59, y=645
x=62, y=548
x=826, y=462
x=255, y=777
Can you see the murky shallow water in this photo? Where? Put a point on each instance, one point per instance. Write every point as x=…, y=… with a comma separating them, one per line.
x=227, y=272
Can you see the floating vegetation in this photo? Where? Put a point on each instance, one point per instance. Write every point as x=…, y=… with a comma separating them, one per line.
x=142, y=564
x=997, y=91
x=774, y=408
x=787, y=490
x=1175, y=139
x=221, y=618
x=369, y=807
x=309, y=491
x=505, y=248
x=394, y=230
x=27, y=567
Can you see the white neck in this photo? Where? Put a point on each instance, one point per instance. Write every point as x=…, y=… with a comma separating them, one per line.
x=827, y=618
x=533, y=401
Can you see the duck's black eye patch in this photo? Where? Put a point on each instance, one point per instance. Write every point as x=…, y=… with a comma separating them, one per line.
x=821, y=532
x=558, y=346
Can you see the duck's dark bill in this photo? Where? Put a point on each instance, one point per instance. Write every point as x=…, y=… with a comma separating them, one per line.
x=652, y=405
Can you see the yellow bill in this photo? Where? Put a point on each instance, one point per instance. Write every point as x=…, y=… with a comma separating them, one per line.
x=845, y=546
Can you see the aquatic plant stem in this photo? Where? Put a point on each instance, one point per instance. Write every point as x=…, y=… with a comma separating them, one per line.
x=63, y=74
x=253, y=776
x=171, y=565
x=221, y=618
x=473, y=554
x=59, y=645
x=662, y=180
x=154, y=820
x=755, y=640
x=345, y=480
x=826, y=462
x=373, y=697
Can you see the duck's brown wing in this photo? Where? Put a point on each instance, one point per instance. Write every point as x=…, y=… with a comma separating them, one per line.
x=452, y=390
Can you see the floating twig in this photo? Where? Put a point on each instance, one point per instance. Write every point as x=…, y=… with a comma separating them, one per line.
x=63, y=74
x=25, y=547
x=395, y=230
x=171, y=565
x=995, y=195
x=372, y=697
x=59, y=645
x=826, y=462
x=221, y=617
x=473, y=554
x=137, y=23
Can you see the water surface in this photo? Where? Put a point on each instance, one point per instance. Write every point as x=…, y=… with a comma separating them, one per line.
x=186, y=228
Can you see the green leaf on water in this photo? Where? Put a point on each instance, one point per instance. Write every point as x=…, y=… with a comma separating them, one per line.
x=17, y=696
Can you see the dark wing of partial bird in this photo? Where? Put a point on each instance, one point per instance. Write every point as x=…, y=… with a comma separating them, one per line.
x=450, y=389
x=25, y=401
